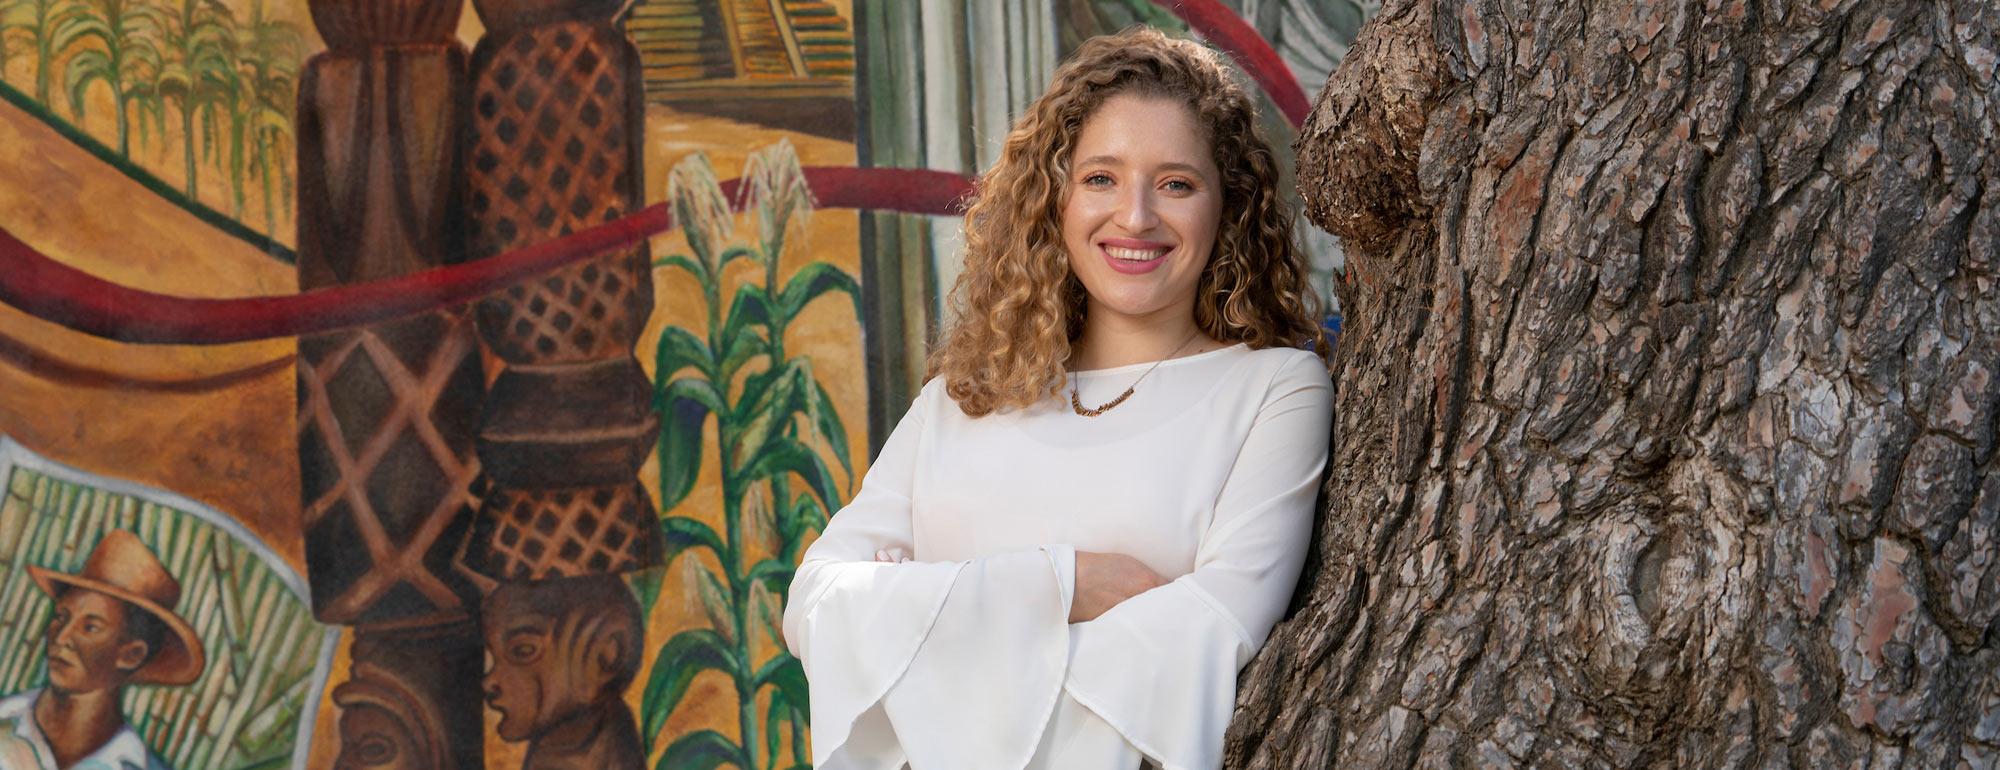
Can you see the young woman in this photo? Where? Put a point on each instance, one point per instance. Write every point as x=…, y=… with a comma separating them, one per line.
x=1098, y=505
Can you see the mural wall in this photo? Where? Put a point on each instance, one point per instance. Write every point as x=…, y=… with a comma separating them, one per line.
x=413, y=383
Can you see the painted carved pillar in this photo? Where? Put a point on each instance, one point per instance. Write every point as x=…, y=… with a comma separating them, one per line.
x=557, y=118
x=388, y=413
x=389, y=717
x=556, y=123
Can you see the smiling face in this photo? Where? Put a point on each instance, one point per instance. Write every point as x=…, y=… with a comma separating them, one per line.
x=1144, y=202
x=89, y=645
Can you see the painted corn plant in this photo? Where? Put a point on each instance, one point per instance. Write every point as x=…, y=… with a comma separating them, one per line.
x=773, y=432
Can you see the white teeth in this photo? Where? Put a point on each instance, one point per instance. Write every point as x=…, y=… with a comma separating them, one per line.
x=1134, y=255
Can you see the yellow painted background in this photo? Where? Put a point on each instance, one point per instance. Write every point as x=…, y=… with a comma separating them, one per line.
x=233, y=446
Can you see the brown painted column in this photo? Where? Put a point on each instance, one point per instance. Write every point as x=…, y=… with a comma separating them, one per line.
x=557, y=119
x=388, y=413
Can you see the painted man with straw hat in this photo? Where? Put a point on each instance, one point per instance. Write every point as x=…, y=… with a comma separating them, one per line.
x=114, y=624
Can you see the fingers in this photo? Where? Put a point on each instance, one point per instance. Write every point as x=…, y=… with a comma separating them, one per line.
x=892, y=555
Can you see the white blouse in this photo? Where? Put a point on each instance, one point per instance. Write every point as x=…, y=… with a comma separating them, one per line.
x=963, y=657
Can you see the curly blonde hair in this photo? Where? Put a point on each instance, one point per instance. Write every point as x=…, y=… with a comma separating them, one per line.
x=1019, y=306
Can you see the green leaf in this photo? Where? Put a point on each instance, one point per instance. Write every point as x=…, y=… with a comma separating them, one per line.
x=756, y=391
x=702, y=750
x=766, y=404
x=682, y=533
x=738, y=350
x=827, y=421
x=77, y=24
x=747, y=309
x=778, y=711
x=734, y=253
x=687, y=264
x=675, y=667
x=776, y=575
x=800, y=759
x=646, y=585
x=678, y=349
x=813, y=280
x=80, y=71
x=684, y=406
x=805, y=513
x=785, y=455
x=785, y=673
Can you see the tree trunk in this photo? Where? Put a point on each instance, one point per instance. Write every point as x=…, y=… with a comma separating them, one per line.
x=1666, y=402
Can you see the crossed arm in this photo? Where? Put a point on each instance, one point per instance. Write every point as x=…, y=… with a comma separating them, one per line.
x=874, y=629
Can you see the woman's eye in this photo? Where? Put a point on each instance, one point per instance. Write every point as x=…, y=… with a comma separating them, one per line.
x=1179, y=185
x=1096, y=180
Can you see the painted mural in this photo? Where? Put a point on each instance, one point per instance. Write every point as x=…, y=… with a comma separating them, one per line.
x=423, y=384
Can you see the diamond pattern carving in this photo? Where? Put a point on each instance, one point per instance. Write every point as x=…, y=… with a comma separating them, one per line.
x=548, y=533
x=585, y=312
x=361, y=408
x=554, y=155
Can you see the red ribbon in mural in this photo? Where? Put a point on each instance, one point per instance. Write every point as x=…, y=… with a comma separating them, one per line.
x=53, y=291
x=1226, y=30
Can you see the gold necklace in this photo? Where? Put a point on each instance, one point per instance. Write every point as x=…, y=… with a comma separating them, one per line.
x=1074, y=403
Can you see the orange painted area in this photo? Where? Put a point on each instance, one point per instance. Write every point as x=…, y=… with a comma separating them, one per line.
x=192, y=420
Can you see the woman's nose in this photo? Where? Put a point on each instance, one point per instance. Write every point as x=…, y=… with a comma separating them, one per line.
x=1136, y=213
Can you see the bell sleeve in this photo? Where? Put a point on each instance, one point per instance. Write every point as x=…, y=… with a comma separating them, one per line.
x=1204, y=626
x=940, y=664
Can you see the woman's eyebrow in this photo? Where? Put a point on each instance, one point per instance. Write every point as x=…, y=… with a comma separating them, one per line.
x=1113, y=160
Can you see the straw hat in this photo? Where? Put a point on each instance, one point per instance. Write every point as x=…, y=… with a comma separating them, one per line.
x=123, y=568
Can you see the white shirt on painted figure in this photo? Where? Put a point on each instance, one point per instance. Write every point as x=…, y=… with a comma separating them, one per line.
x=23, y=747
x=962, y=657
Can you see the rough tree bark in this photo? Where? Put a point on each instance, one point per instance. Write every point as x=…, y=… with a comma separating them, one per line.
x=1666, y=405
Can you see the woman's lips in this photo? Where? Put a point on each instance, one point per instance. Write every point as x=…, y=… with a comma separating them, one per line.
x=1134, y=256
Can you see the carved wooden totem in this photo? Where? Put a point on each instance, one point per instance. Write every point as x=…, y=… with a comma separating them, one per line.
x=556, y=123
x=388, y=413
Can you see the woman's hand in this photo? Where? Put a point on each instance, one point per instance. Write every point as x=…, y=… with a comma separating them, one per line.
x=1105, y=579
x=892, y=555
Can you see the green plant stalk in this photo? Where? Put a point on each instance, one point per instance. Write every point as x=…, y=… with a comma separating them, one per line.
x=727, y=433
x=776, y=361
x=745, y=449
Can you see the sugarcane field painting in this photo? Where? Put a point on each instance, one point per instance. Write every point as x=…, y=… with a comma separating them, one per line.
x=424, y=384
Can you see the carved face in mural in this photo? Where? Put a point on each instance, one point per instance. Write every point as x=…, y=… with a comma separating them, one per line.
x=1144, y=203
x=384, y=725
x=374, y=739
x=94, y=642
x=556, y=648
